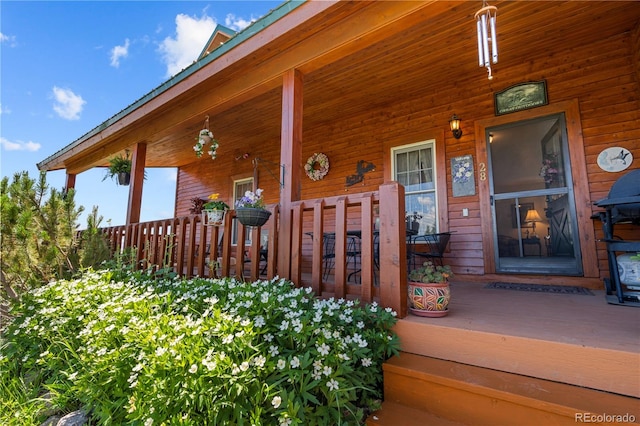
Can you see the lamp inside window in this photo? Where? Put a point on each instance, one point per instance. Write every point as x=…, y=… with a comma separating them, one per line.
x=533, y=217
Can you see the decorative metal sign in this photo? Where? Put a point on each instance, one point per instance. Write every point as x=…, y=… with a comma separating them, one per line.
x=361, y=168
x=521, y=96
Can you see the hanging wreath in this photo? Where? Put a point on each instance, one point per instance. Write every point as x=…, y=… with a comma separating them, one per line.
x=317, y=166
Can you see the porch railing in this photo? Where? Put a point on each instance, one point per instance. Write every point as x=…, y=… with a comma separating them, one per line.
x=294, y=251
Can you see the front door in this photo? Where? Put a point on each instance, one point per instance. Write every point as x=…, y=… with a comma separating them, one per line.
x=532, y=202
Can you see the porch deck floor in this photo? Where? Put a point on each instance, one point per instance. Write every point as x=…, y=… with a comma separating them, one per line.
x=565, y=318
x=575, y=339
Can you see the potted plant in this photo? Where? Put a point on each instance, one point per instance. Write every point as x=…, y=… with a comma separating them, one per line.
x=250, y=209
x=205, y=138
x=119, y=169
x=214, y=210
x=429, y=292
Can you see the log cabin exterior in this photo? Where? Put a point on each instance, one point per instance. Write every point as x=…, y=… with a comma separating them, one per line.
x=376, y=81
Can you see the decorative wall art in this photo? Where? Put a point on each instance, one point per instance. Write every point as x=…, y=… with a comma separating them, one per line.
x=462, y=176
x=615, y=159
x=361, y=168
x=521, y=96
x=317, y=166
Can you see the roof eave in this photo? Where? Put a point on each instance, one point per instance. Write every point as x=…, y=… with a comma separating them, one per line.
x=57, y=160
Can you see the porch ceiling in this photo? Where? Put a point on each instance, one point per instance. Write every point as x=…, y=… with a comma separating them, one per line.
x=355, y=56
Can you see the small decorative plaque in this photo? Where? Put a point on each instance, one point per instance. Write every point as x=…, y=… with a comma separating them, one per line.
x=521, y=96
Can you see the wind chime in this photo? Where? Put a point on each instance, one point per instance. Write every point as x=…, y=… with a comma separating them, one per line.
x=486, y=27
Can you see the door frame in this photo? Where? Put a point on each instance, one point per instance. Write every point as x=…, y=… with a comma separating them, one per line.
x=586, y=234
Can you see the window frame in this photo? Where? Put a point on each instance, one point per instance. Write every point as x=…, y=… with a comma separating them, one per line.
x=436, y=190
x=236, y=197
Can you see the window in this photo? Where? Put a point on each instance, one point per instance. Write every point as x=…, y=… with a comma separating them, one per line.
x=239, y=188
x=414, y=168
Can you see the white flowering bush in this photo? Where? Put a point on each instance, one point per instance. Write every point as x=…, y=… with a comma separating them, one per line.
x=198, y=351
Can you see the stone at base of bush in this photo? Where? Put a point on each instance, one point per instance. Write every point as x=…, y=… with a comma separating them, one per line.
x=75, y=418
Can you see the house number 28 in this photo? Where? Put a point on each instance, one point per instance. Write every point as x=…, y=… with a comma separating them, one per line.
x=483, y=171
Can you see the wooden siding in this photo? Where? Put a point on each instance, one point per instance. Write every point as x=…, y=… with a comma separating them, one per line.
x=602, y=77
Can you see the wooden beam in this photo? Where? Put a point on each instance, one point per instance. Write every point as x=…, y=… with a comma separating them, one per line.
x=137, y=182
x=291, y=159
x=70, y=182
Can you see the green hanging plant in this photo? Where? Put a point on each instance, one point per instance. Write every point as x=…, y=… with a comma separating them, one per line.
x=119, y=169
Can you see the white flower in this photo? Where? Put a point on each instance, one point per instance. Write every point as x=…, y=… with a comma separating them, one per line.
x=332, y=384
x=193, y=369
x=295, y=362
x=148, y=422
x=276, y=401
x=259, y=361
x=285, y=421
x=281, y=364
x=366, y=362
x=323, y=349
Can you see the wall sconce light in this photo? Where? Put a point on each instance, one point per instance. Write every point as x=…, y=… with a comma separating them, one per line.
x=454, y=123
x=490, y=137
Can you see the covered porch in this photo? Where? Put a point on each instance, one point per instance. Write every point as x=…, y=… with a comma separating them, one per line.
x=366, y=82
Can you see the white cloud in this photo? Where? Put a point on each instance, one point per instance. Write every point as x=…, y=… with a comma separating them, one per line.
x=171, y=174
x=19, y=145
x=119, y=52
x=11, y=40
x=4, y=110
x=191, y=36
x=236, y=23
x=67, y=104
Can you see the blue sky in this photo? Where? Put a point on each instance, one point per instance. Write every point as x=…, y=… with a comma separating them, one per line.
x=67, y=66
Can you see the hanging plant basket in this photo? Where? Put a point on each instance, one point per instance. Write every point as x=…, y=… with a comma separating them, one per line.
x=124, y=178
x=213, y=217
x=249, y=216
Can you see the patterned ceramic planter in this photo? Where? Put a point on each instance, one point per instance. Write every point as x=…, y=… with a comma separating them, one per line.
x=214, y=217
x=429, y=299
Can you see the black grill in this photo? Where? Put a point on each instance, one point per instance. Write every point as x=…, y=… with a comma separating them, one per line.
x=621, y=206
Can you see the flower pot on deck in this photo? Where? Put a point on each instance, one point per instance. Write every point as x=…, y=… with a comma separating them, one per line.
x=429, y=299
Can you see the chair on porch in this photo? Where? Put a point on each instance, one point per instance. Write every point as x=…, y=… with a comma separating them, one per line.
x=328, y=254
x=428, y=246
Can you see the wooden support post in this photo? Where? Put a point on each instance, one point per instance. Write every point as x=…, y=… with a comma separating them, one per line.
x=137, y=182
x=393, y=263
x=71, y=181
x=291, y=159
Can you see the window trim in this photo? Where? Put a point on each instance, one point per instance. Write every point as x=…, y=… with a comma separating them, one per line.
x=442, y=172
x=235, y=195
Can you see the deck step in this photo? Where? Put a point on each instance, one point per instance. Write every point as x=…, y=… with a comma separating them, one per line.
x=394, y=414
x=472, y=395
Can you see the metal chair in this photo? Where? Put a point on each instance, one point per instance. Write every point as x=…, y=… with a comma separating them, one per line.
x=328, y=254
x=435, y=244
